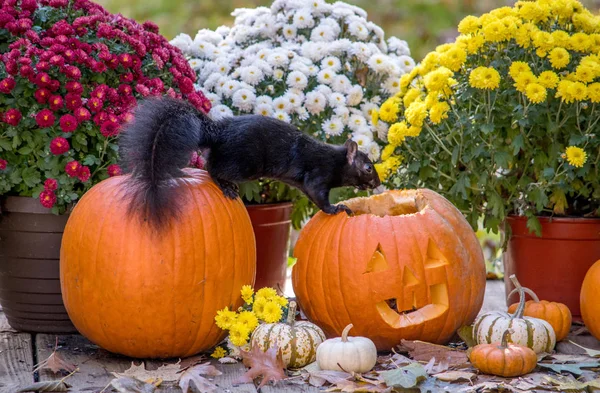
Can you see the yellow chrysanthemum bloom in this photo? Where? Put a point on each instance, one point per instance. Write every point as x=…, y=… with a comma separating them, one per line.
x=249, y=319
x=559, y=58
x=218, y=353
x=282, y=301
x=495, y=32
x=543, y=41
x=439, y=112
x=453, y=58
x=389, y=110
x=585, y=73
x=503, y=12
x=469, y=24
x=548, y=79
x=431, y=61
x=416, y=113
x=580, y=42
x=272, y=312
x=431, y=99
x=397, y=133
x=585, y=22
x=387, y=152
x=535, y=93
x=374, y=117
x=438, y=79
x=484, y=78
x=225, y=318
x=388, y=167
x=474, y=43
x=518, y=67
x=576, y=156
x=593, y=91
x=267, y=293
x=524, y=34
x=531, y=10
x=258, y=307
x=239, y=334
x=562, y=8
x=561, y=38
x=247, y=293
x=578, y=91
x=414, y=131
x=523, y=80
x=410, y=96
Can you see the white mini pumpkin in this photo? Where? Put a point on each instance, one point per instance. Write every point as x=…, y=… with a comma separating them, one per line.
x=534, y=333
x=350, y=354
x=297, y=341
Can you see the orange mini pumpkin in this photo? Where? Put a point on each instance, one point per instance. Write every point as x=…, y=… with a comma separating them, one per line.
x=406, y=265
x=152, y=295
x=505, y=360
x=590, y=300
x=556, y=314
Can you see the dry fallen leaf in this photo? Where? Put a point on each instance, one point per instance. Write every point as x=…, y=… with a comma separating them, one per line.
x=575, y=369
x=268, y=365
x=227, y=360
x=591, y=352
x=168, y=373
x=195, y=376
x=574, y=385
x=563, y=358
x=131, y=385
x=404, y=377
x=423, y=352
x=55, y=363
x=354, y=386
x=46, y=386
x=318, y=377
x=454, y=376
x=433, y=368
x=466, y=334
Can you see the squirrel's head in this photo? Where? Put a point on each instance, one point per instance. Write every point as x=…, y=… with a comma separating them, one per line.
x=360, y=171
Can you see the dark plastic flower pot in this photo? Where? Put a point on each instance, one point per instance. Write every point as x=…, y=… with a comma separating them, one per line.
x=30, y=237
x=553, y=265
x=272, y=226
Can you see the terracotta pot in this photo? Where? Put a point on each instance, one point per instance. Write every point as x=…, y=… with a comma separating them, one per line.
x=553, y=265
x=30, y=237
x=272, y=225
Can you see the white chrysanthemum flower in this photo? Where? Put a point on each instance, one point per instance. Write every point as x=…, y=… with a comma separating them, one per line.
x=333, y=24
x=282, y=104
x=322, y=33
x=368, y=108
x=363, y=141
x=263, y=110
x=302, y=113
x=282, y=116
x=263, y=54
x=202, y=49
x=264, y=67
x=354, y=95
x=399, y=46
x=297, y=80
x=337, y=99
x=196, y=64
x=341, y=46
x=294, y=99
x=315, y=102
x=220, y=112
x=223, y=30
x=320, y=7
x=324, y=89
x=333, y=127
x=375, y=100
x=332, y=63
x=251, y=75
x=289, y=32
x=382, y=130
x=241, y=33
x=326, y=76
x=183, y=42
x=356, y=122
x=278, y=74
x=358, y=30
x=392, y=85
x=278, y=59
x=230, y=87
x=264, y=100
x=373, y=151
x=213, y=98
x=313, y=70
x=299, y=66
x=343, y=113
x=341, y=84
x=361, y=51
x=303, y=19
x=380, y=63
x=406, y=63
x=315, y=51
x=222, y=67
x=243, y=99
x=211, y=82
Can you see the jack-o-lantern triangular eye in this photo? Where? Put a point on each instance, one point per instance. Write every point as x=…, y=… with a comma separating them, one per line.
x=378, y=263
x=435, y=257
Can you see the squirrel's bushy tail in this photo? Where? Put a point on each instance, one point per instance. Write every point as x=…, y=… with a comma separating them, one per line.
x=154, y=148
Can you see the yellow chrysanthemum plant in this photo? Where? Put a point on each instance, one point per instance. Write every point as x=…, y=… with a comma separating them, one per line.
x=262, y=306
x=505, y=120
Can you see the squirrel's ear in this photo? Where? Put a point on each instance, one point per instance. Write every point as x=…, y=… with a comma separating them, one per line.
x=351, y=152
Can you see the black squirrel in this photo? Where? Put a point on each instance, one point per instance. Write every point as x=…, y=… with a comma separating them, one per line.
x=159, y=142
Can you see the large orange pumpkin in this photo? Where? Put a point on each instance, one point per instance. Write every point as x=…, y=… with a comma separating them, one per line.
x=406, y=265
x=589, y=303
x=147, y=294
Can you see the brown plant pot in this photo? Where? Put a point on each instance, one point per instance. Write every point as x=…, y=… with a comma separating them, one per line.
x=272, y=225
x=554, y=265
x=30, y=295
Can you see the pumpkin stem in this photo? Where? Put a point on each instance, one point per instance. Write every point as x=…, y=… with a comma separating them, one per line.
x=504, y=342
x=291, y=317
x=519, y=313
x=345, y=333
x=528, y=291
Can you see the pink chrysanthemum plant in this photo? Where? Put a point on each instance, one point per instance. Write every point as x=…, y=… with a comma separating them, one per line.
x=70, y=75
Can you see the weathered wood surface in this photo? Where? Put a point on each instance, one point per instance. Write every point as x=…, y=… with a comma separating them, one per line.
x=16, y=360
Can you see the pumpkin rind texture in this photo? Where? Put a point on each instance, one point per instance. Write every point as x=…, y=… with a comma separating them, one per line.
x=356, y=354
x=512, y=361
x=557, y=315
x=298, y=342
x=406, y=265
x=590, y=300
x=155, y=295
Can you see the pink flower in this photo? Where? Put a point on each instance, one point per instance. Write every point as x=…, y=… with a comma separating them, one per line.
x=59, y=146
x=95, y=104
x=13, y=117
x=42, y=95
x=68, y=123
x=45, y=118
x=42, y=79
x=50, y=184
x=3, y=164
x=73, y=72
x=72, y=168
x=26, y=71
x=126, y=60
x=57, y=61
x=82, y=114
x=109, y=128
x=186, y=85
x=84, y=174
x=47, y=198
x=74, y=87
x=7, y=85
x=113, y=170
x=73, y=101
x=56, y=102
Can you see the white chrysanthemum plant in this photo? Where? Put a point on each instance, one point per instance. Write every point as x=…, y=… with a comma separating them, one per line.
x=322, y=67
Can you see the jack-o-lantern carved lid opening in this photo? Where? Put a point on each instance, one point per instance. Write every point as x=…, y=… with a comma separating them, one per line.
x=389, y=203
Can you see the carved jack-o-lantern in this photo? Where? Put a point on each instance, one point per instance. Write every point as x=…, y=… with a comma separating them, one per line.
x=406, y=265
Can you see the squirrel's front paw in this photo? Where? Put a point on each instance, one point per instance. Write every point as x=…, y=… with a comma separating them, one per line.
x=335, y=209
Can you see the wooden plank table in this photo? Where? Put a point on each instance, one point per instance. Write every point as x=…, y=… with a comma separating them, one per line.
x=20, y=351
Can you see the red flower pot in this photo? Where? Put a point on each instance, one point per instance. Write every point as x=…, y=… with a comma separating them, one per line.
x=272, y=226
x=553, y=265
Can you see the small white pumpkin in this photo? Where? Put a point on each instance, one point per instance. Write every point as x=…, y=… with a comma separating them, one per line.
x=534, y=333
x=297, y=341
x=350, y=354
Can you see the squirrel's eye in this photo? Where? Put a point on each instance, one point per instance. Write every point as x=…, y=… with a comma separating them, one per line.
x=368, y=167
